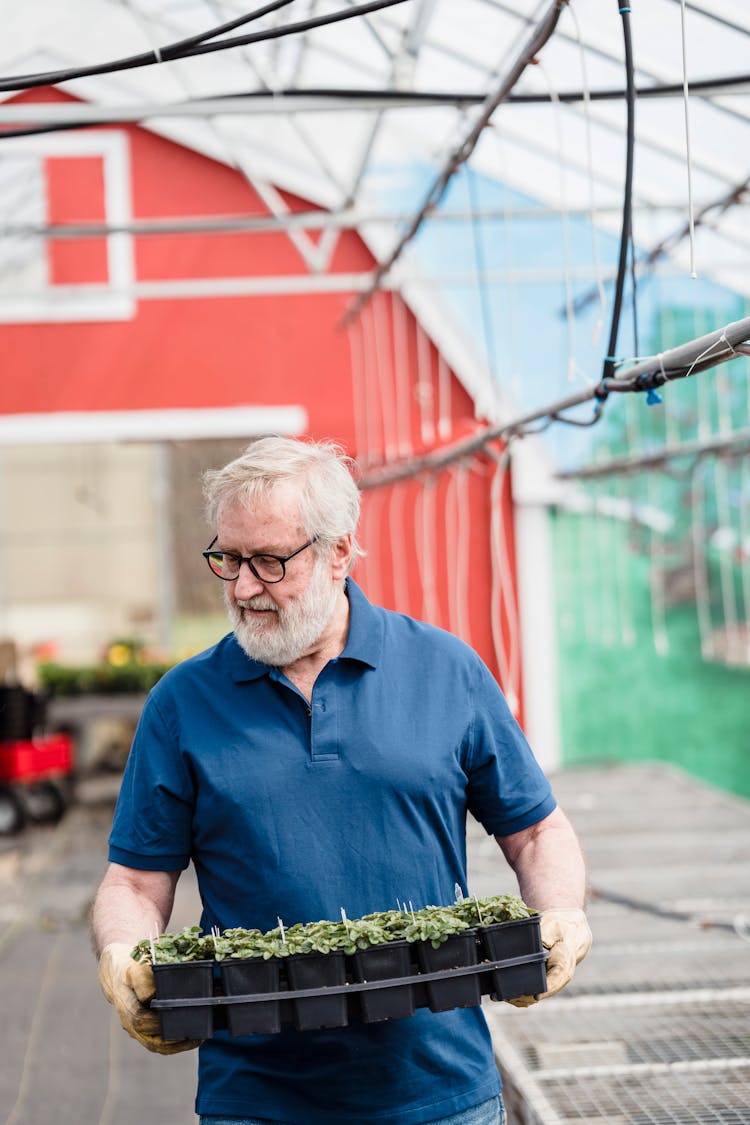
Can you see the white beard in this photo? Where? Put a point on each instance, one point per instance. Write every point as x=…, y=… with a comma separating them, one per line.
x=292, y=630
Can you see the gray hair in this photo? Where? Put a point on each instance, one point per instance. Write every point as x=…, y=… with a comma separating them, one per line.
x=329, y=498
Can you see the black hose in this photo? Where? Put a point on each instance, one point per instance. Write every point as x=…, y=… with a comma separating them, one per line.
x=627, y=206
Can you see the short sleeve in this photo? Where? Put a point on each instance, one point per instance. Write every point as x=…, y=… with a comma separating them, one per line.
x=151, y=829
x=507, y=789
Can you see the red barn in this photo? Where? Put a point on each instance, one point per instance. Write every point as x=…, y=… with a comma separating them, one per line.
x=208, y=305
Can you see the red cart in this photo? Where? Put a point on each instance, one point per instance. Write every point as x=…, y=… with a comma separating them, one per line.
x=33, y=780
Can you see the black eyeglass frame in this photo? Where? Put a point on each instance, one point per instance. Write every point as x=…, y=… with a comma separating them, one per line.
x=282, y=559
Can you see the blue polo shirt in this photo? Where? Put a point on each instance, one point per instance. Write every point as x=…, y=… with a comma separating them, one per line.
x=294, y=810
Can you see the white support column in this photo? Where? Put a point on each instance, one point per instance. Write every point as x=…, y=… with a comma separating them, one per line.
x=533, y=490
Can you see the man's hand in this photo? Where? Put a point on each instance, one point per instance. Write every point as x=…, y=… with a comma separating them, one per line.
x=129, y=985
x=566, y=934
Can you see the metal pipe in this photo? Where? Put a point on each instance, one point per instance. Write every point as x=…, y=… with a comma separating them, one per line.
x=463, y=151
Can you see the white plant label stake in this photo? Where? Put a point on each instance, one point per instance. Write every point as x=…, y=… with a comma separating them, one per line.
x=281, y=927
x=479, y=912
x=345, y=920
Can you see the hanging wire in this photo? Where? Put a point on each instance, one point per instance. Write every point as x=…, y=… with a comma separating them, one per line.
x=627, y=206
x=744, y=548
x=686, y=103
x=586, y=568
x=354, y=333
x=724, y=542
x=511, y=297
x=375, y=436
x=672, y=428
x=723, y=393
x=374, y=535
x=564, y=225
x=604, y=544
x=397, y=536
x=496, y=597
x=451, y=541
x=402, y=369
x=463, y=582
x=700, y=568
x=634, y=297
x=195, y=45
x=598, y=276
x=705, y=428
x=418, y=532
x=622, y=572
x=656, y=569
x=480, y=266
x=445, y=403
x=428, y=551
x=424, y=385
x=384, y=375
x=503, y=592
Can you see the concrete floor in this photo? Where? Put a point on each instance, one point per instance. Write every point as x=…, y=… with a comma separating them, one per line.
x=66, y=1060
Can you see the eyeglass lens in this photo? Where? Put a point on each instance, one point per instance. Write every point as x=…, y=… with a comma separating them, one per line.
x=266, y=567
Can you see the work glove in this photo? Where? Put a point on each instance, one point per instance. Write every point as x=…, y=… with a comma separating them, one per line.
x=566, y=934
x=129, y=985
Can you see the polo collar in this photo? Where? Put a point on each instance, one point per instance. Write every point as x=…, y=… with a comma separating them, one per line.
x=364, y=643
x=365, y=640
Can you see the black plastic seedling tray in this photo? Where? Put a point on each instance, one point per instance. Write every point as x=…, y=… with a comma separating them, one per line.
x=350, y=997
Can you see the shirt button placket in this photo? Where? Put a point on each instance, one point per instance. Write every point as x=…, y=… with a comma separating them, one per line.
x=323, y=733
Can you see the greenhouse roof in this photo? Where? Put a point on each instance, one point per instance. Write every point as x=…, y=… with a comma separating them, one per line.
x=377, y=118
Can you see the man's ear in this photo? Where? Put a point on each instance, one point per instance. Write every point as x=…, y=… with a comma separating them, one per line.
x=341, y=557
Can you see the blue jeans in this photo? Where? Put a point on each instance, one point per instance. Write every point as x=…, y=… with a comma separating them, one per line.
x=487, y=1113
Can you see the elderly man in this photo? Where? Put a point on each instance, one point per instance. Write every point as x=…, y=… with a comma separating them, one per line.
x=324, y=754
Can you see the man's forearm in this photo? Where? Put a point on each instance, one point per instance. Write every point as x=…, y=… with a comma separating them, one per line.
x=548, y=864
x=126, y=911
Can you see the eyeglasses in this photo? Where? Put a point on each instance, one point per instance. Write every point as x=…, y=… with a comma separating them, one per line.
x=266, y=568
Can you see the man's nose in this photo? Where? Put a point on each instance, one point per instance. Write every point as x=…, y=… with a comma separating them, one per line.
x=247, y=585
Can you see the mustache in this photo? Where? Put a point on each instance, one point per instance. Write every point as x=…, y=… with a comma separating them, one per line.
x=258, y=602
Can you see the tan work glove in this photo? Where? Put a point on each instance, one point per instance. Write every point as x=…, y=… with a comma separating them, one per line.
x=129, y=984
x=566, y=934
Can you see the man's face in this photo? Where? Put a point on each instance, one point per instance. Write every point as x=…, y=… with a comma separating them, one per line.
x=277, y=623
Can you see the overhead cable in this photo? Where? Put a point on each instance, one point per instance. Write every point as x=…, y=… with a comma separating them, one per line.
x=627, y=205
x=156, y=55
x=196, y=45
x=55, y=118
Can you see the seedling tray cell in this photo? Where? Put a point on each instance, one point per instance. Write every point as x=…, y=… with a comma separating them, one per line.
x=514, y=940
x=461, y=991
x=254, y=976
x=191, y=981
x=323, y=1008
x=385, y=962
